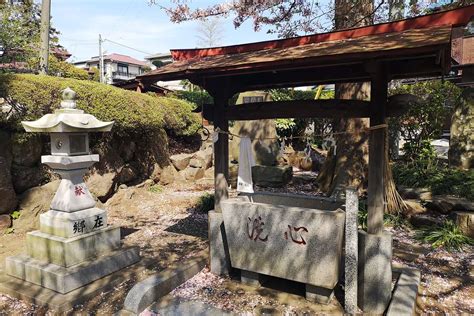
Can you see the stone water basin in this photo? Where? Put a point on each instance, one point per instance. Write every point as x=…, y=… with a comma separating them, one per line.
x=289, y=236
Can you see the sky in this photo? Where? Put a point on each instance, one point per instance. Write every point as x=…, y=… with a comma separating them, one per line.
x=133, y=23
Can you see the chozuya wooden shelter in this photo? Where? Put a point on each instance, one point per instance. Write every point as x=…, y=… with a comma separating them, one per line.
x=377, y=54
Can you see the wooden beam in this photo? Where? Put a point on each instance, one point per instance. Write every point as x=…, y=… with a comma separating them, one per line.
x=378, y=110
x=331, y=108
x=221, y=149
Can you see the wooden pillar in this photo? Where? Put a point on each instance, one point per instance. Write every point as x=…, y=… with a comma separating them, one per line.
x=378, y=108
x=221, y=151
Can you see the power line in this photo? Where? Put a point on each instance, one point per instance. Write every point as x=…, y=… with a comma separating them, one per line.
x=126, y=46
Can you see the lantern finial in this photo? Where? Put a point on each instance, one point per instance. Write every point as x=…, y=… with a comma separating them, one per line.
x=69, y=99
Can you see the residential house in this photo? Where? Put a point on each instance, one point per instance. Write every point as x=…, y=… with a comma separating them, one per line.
x=159, y=60
x=117, y=67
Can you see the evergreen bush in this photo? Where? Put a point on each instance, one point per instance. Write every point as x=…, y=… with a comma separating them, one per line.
x=35, y=95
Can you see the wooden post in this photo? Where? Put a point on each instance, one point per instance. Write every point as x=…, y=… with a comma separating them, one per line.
x=221, y=150
x=378, y=97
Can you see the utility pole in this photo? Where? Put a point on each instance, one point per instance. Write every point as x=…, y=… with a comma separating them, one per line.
x=44, y=51
x=101, y=61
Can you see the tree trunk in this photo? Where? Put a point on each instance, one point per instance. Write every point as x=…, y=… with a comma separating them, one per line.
x=347, y=166
x=461, y=146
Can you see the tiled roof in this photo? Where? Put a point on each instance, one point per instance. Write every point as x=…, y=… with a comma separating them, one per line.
x=124, y=59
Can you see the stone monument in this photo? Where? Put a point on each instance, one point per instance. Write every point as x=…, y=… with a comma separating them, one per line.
x=74, y=245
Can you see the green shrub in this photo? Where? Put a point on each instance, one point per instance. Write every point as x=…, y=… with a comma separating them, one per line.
x=205, y=203
x=440, y=179
x=60, y=68
x=448, y=236
x=394, y=220
x=36, y=95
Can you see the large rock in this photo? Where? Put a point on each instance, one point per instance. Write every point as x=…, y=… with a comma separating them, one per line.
x=5, y=222
x=196, y=163
x=423, y=194
x=205, y=156
x=127, y=150
x=465, y=222
x=102, y=185
x=24, y=178
x=26, y=149
x=34, y=202
x=193, y=174
x=272, y=176
x=181, y=161
x=156, y=173
x=168, y=175
x=445, y=204
x=424, y=220
x=265, y=151
x=414, y=207
x=8, y=200
x=6, y=147
x=128, y=174
x=151, y=149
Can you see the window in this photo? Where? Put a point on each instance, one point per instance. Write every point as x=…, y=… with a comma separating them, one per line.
x=252, y=99
x=122, y=69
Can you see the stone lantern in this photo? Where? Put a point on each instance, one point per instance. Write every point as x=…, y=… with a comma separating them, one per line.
x=74, y=245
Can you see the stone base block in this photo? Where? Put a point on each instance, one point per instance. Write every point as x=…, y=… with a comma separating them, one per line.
x=375, y=272
x=250, y=278
x=405, y=293
x=318, y=294
x=64, y=280
x=218, y=251
x=67, y=252
x=465, y=222
x=64, y=224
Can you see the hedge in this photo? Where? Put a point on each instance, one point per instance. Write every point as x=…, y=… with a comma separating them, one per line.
x=131, y=111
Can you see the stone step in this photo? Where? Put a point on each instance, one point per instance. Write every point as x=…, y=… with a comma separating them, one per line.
x=64, y=280
x=67, y=252
x=64, y=224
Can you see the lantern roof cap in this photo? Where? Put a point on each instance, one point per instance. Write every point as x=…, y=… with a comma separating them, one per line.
x=67, y=119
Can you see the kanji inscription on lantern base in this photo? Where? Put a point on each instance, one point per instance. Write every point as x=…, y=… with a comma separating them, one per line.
x=295, y=243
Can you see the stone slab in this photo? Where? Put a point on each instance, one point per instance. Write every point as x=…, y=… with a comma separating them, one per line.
x=59, y=304
x=64, y=280
x=404, y=296
x=219, y=261
x=299, y=244
x=374, y=282
x=144, y=293
x=67, y=252
x=64, y=224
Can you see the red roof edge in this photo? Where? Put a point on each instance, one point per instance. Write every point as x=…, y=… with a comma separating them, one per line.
x=455, y=17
